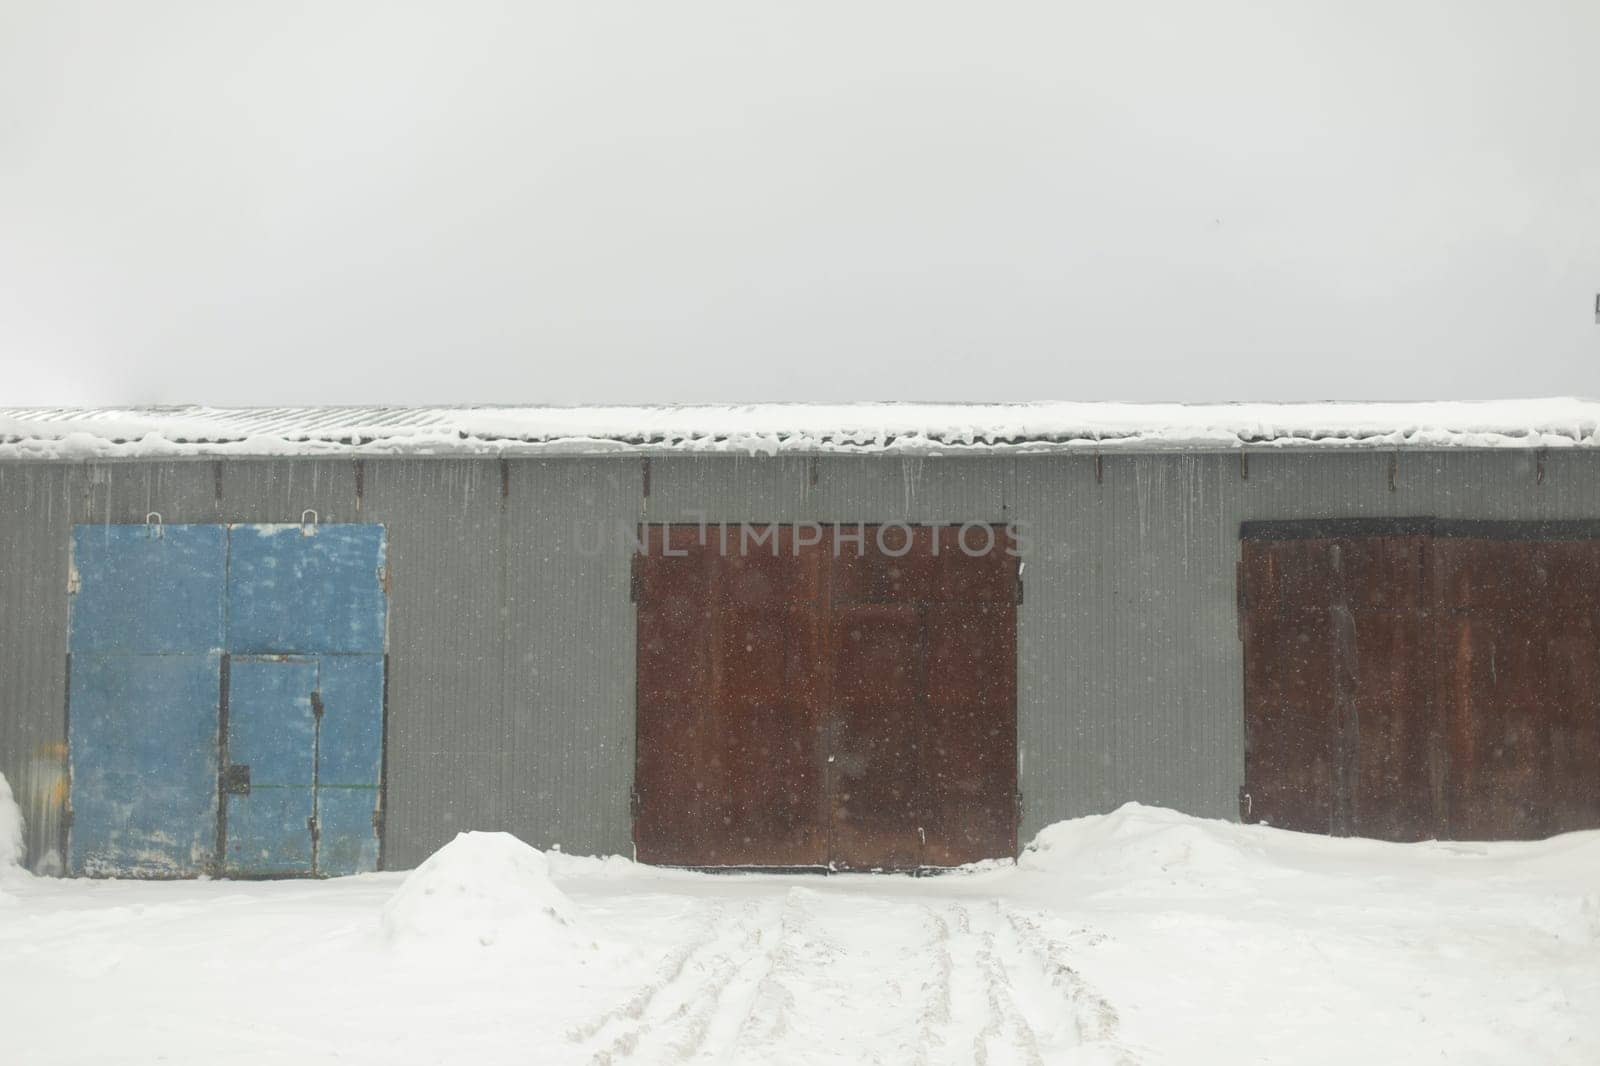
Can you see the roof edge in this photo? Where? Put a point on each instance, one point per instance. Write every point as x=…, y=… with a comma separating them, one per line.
x=773, y=429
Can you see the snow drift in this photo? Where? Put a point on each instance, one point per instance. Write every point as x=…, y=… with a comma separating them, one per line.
x=1136, y=843
x=11, y=846
x=1152, y=851
x=483, y=889
x=11, y=841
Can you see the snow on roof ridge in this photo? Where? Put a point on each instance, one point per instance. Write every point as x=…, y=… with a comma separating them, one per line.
x=770, y=428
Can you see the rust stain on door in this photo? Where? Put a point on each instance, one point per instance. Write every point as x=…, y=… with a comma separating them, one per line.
x=1422, y=685
x=800, y=705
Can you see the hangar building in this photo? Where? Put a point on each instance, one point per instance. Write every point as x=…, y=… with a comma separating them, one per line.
x=279, y=642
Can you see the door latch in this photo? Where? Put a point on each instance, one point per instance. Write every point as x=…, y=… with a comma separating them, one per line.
x=236, y=779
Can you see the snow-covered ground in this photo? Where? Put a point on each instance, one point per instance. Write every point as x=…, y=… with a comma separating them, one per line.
x=1142, y=936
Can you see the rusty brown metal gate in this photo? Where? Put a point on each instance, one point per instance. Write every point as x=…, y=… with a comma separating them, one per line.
x=840, y=697
x=1408, y=679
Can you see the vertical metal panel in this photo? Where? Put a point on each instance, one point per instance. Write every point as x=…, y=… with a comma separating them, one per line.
x=567, y=689
x=446, y=649
x=36, y=513
x=281, y=490
x=912, y=489
x=1128, y=635
x=511, y=649
x=124, y=492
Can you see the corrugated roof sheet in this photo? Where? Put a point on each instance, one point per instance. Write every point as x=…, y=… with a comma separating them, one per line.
x=140, y=432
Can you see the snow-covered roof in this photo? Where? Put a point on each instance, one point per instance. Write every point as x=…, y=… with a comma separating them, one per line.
x=920, y=428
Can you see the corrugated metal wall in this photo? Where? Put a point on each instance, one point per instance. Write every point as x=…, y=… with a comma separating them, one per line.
x=512, y=634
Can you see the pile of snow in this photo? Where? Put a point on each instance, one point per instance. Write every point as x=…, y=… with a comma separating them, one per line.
x=483, y=889
x=11, y=841
x=11, y=846
x=1152, y=851
x=1137, y=844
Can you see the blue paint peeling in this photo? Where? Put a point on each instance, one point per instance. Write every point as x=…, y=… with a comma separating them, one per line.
x=306, y=589
x=144, y=764
x=271, y=730
x=302, y=613
x=148, y=590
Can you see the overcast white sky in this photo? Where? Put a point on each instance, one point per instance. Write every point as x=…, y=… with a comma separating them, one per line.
x=633, y=201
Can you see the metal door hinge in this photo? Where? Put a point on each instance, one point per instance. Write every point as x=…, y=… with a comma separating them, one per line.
x=377, y=822
x=316, y=704
x=1240, y=598
x=315, y=829
x=633, y=580
x=1246, y=805
x=633, y=803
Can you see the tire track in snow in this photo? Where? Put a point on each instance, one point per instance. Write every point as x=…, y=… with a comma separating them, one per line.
x=1004, y=1017
x=1094, y=1020
x=634, y=1007
x=797, y=979
x=935, y=1018
x=768, y=1009
x=714, y=1023
x=847, y=980
x=668, y=1018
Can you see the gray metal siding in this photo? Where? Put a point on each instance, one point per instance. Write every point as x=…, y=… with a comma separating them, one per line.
x=36, y=507
x=511, y=651
x=512, y=636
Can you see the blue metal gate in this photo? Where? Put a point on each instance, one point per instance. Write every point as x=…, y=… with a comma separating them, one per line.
x=225, y=699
